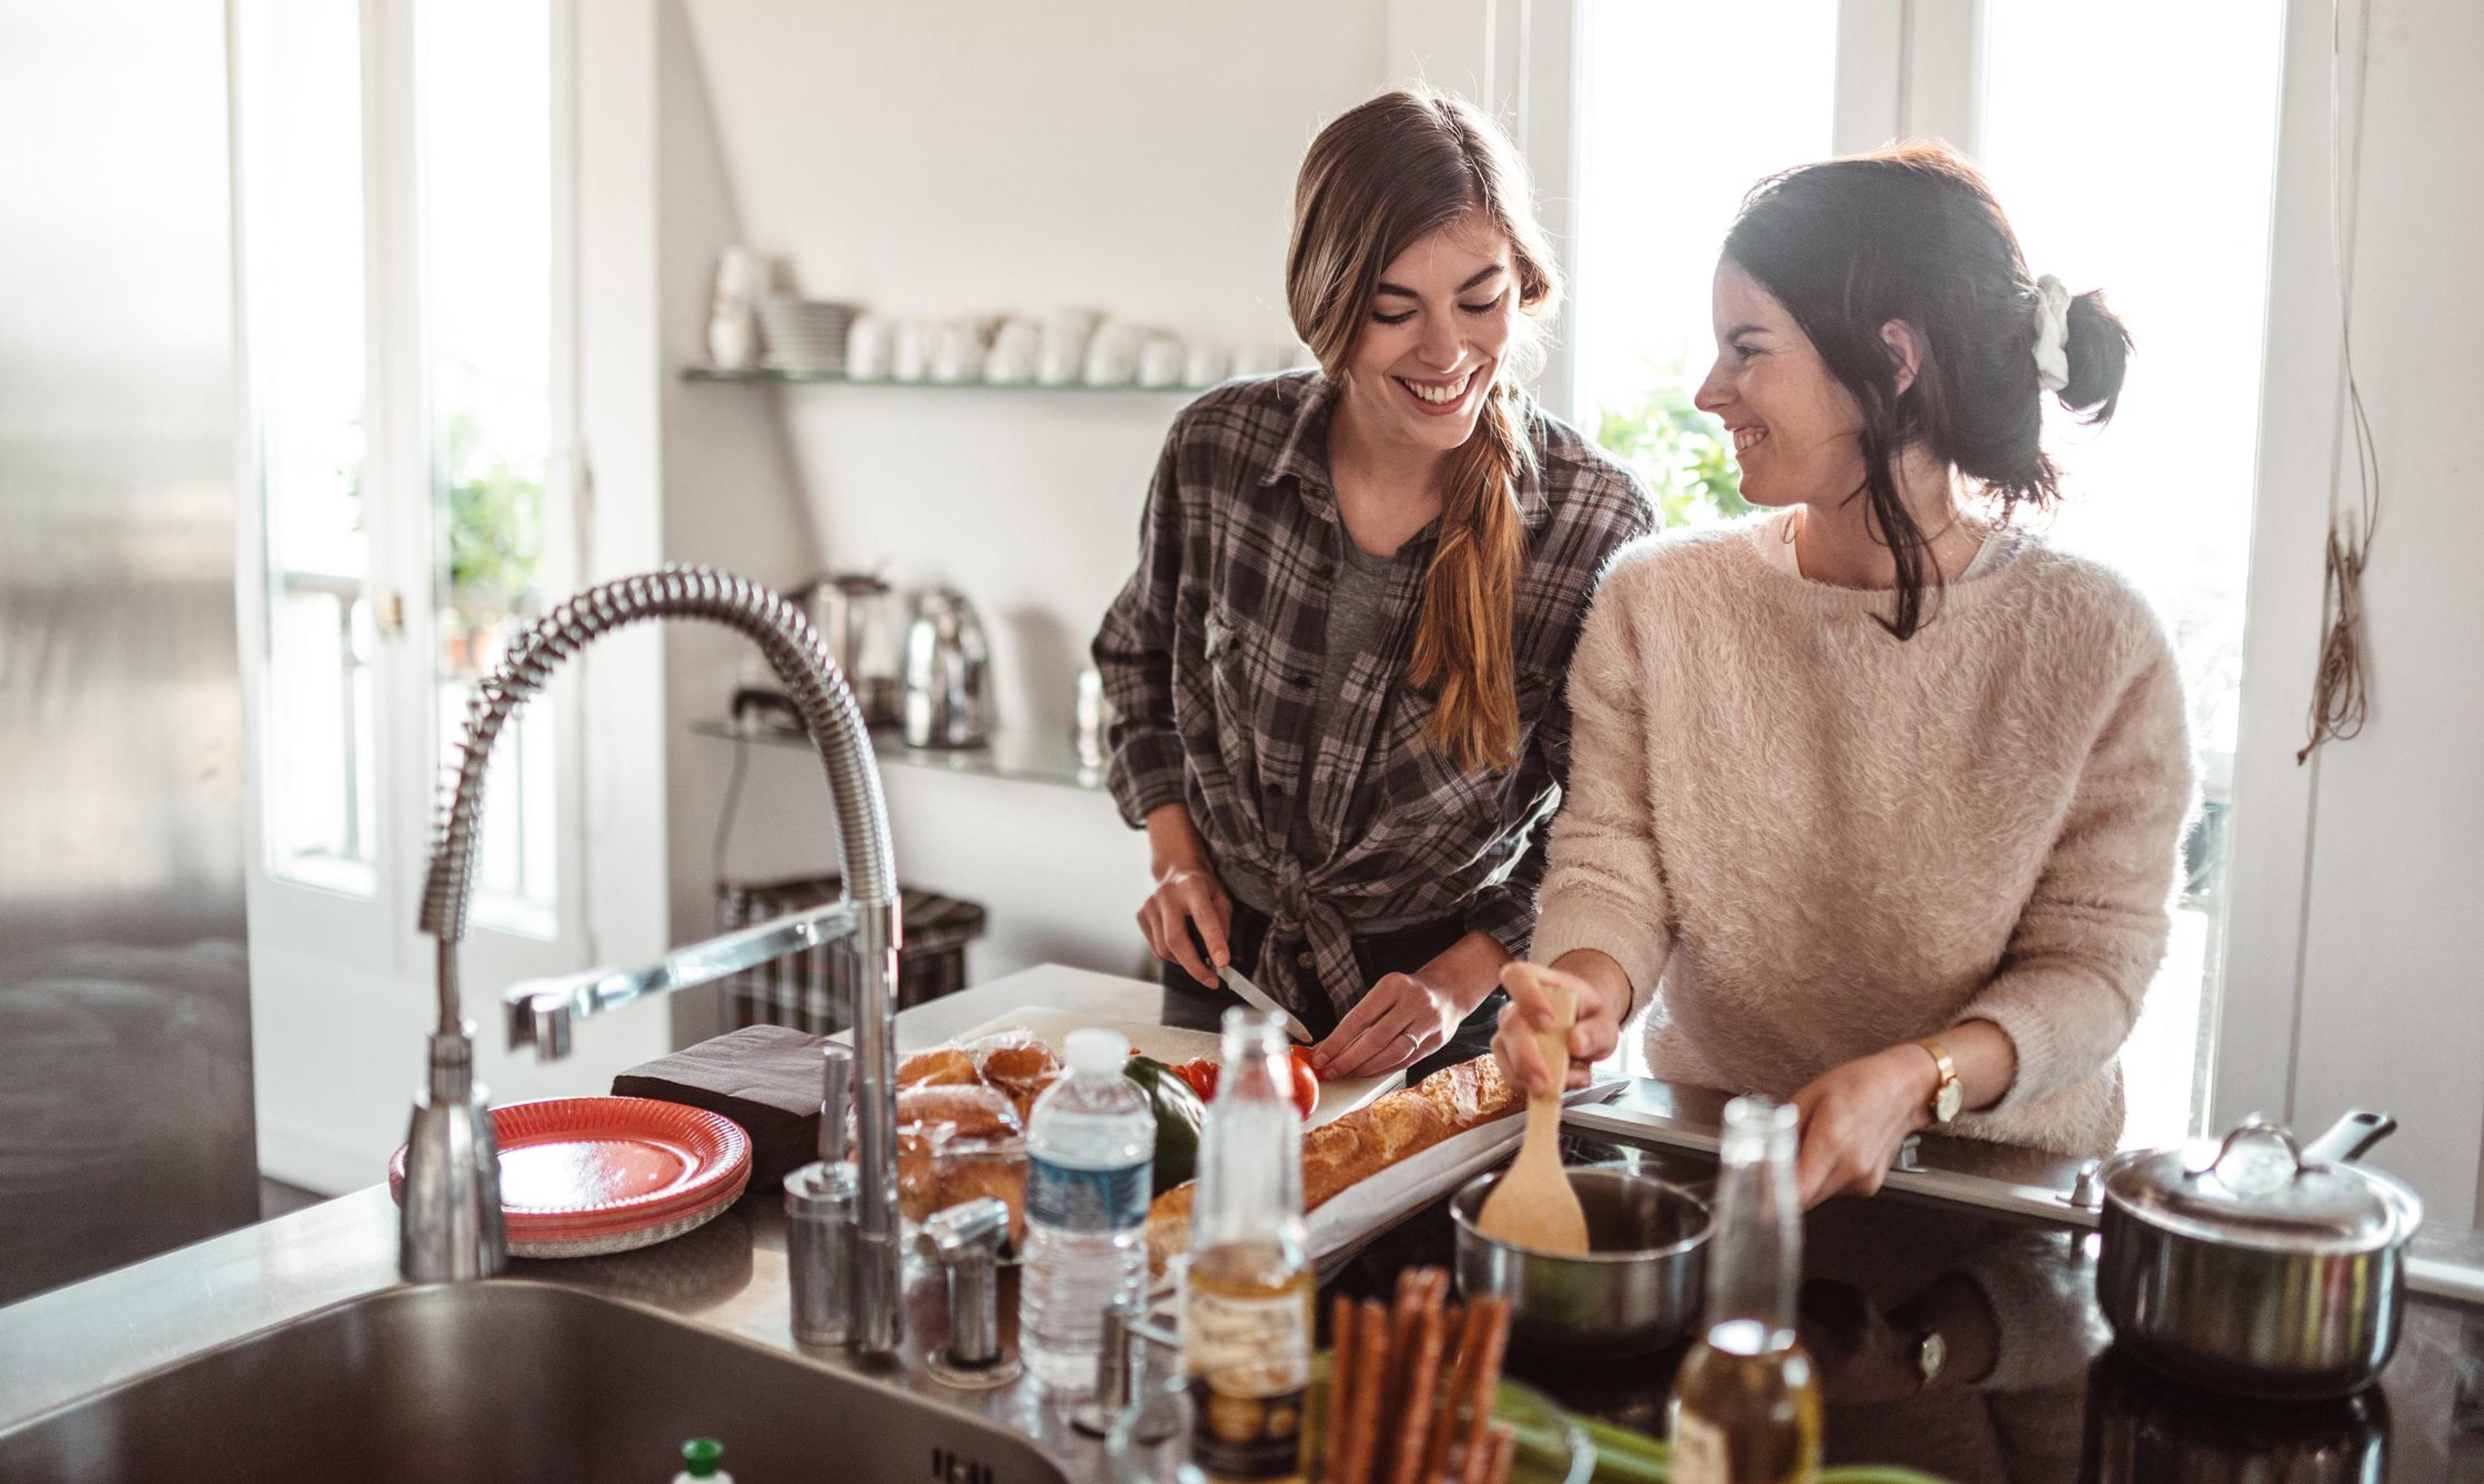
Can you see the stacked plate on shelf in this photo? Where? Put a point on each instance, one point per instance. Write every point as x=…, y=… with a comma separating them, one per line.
x=584, y=1176
x=804, y=334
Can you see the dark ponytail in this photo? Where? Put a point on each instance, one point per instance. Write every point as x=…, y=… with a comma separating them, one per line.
x=1913, y=233
x=2099, y=353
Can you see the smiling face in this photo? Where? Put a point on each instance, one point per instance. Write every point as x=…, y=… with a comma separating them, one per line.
x=1795, y=425
x=1440, y=324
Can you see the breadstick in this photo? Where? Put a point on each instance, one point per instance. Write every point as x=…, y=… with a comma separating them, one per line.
x=1499, y=1453
x=1442, y=1428
x=1423, y=1378
x=1370, y=1374
x=1494, y=1315
x=1341, y=1382
x=1409, y=1308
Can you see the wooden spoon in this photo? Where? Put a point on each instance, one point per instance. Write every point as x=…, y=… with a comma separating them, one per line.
x=1533, y=1206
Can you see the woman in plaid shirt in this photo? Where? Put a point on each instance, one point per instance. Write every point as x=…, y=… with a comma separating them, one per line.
x=1338, y=671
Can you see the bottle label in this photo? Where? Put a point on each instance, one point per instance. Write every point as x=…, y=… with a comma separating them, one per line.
x=1071, y=1199
x=1250, y=1371
x=1699, y=1454
x=1242, y=1437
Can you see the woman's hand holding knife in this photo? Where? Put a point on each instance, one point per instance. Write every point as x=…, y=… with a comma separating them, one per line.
x=1187, y=896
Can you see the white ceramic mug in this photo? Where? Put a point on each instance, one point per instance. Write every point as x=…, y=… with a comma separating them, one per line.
x=909, y=352
x=1207, y=364
x=867, y=348
x=1162, y=360
x=1113, y=356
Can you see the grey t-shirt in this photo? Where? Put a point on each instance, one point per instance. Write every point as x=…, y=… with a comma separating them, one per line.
x=1357, y=620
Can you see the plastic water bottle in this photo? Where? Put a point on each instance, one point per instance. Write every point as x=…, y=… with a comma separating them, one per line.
x=1090, y=1148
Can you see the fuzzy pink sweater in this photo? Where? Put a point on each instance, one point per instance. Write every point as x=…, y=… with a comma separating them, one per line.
x=1820, y=840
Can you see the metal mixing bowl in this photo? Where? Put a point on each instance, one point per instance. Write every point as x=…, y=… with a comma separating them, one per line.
x=1637, y=1289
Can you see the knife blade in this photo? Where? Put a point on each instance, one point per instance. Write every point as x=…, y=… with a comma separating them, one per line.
x=1254, y=997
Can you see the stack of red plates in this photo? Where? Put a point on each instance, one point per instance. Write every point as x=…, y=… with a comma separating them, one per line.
x=583, y=1177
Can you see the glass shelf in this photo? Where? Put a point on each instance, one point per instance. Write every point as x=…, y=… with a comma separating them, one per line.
x=1026, y=757
x=774, y=376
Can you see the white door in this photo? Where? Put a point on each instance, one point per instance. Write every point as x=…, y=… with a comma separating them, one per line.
x=405, y=259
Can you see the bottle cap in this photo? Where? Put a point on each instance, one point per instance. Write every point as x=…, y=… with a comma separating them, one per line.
x=702, y=1454
x=1097, y=1053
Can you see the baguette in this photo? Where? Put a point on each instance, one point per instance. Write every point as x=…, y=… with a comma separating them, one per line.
x=1362, y=1144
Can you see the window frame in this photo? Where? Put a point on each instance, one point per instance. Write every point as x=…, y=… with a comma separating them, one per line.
x=1908, y=67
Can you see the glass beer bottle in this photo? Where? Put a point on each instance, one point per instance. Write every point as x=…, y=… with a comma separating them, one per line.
x=1246, y=1312
x=1747, y=1399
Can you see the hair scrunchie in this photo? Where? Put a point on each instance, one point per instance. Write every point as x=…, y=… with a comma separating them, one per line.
x=2052, y=332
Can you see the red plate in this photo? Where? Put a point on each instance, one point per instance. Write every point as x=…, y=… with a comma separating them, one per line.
x=575, y=1169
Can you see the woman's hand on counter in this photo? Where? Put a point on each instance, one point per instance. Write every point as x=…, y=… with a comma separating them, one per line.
x=1600, y=996
x=1854, y=1117
x=1406, y=1018
x=1187, y=896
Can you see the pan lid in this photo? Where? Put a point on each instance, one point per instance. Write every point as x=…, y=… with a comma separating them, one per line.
x=2260, y=1188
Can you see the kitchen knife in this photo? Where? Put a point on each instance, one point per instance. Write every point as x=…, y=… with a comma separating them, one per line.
x=1251, y=996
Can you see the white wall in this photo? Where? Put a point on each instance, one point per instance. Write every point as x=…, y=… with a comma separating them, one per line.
x=731, y=498
x=943, y=158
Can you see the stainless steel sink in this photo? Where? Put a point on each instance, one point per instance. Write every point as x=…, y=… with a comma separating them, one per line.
x=503, y=1380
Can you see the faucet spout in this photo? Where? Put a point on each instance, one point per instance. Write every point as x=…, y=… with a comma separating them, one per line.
x=451, y=1218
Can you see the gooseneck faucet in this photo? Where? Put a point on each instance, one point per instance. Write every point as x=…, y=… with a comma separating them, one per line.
x=450, y=1226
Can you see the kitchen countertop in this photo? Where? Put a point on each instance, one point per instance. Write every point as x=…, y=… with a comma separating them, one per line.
x=2055, y=1394
x=2030, y=1421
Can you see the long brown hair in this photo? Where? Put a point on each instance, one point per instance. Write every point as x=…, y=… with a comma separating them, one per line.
x=1378, y=179
x=1914, y=234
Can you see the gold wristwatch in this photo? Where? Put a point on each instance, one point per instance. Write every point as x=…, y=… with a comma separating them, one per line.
x=1947, y=1096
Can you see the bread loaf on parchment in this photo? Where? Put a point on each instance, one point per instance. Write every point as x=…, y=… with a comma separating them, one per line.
x=1363, y=1143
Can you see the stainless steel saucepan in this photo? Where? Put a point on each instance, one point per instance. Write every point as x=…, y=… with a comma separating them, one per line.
x=1637, y=1289
x=2273, y=1268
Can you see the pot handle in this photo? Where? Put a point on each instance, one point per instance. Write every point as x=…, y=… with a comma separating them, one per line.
x=2349, y=1137
x=2259, y=1124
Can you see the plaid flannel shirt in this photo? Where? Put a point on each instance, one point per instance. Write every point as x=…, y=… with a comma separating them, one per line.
x=1211, y=657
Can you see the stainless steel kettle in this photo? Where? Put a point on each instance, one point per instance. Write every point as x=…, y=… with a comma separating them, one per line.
x=947, y=673
x=849, y=610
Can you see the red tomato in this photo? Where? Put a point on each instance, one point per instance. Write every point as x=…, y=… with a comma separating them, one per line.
x=1201, y=1074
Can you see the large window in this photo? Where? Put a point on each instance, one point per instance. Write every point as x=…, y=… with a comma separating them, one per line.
x=1678, y=120
x=2161, y=201
x=483, y=69
x=396, y=214
x=2161, y=198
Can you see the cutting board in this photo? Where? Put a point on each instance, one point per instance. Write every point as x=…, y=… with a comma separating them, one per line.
x=1174, y=1044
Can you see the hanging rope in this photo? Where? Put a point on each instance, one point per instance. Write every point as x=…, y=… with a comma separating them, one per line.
x=2341, y=684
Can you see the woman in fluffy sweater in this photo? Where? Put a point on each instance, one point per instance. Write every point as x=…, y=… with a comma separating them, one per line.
x=1875, y=801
